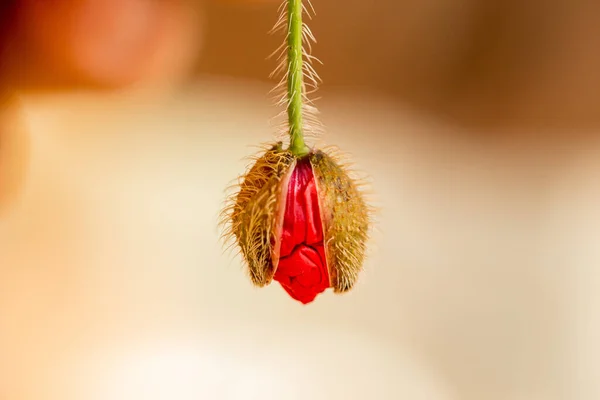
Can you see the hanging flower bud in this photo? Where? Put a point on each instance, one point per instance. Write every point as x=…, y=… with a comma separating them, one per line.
x=301, y=221
x=298, y=217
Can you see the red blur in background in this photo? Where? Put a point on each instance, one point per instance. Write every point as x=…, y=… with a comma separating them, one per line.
x=107, y=43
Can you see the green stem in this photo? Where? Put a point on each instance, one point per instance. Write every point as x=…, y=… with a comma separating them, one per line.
x=295, y=78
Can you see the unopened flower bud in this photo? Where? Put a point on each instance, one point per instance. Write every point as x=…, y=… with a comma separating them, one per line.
x=301, y=221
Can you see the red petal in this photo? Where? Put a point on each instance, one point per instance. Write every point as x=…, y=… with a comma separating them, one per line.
x=302, y=269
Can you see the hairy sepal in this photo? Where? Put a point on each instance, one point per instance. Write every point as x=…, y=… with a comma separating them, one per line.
x=253, y=212
x=346, y=218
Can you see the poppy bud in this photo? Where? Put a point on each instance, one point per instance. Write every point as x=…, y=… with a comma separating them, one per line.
x=298, y=217
x=301, y=221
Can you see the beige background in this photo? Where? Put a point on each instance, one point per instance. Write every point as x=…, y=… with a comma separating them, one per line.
x=480, y=283
x=477, y=124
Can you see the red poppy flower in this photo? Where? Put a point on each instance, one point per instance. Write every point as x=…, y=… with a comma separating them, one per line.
x=301, y=221
x=302, y=268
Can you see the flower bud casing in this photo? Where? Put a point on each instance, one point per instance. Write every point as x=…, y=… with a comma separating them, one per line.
x=301, y=221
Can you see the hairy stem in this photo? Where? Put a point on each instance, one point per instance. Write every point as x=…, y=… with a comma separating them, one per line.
x=295, y=78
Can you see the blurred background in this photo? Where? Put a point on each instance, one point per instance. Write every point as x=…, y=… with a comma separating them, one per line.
x=123, y=121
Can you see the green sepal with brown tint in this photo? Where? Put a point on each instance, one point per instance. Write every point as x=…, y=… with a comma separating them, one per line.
x=345, y=217
x=252, y=212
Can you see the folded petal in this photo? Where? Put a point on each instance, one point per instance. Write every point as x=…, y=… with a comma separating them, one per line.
x=302, y=268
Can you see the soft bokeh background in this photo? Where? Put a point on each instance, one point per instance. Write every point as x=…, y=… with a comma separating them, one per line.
x=123, y=121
